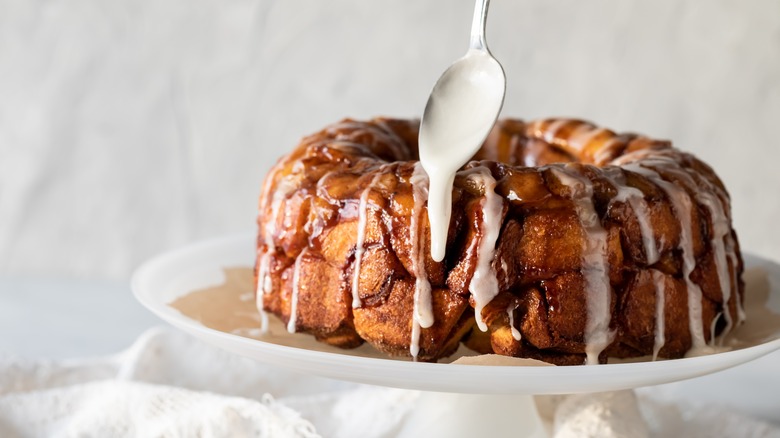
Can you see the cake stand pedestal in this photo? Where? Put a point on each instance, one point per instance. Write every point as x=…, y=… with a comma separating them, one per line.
x=459, y=399
x=439, y=414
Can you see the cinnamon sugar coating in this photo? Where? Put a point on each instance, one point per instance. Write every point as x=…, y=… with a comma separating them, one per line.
x=311, y=199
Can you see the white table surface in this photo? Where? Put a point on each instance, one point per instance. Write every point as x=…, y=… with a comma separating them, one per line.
x=62, y=318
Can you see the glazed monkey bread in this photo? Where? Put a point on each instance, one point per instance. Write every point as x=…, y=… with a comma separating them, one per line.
x=573, y=243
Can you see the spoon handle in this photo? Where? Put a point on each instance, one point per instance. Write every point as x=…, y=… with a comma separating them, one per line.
x=478, y=25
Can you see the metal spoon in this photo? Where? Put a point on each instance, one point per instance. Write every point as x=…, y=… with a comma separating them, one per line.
x=460, y=112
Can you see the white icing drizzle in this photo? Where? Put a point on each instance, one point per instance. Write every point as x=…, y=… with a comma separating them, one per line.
x=264, y=283
x=633, y=157
x=660, y=302
x=602, y=156
x=733, y=258
x=550, y=134
x=379, y=132
x=414, y=346
x=636, y=199
x=484, y=283
x=259, y=298
x=730, y=256
x=283, y=189
x=510, y=311
x=583, y=135
x=720, y=231
x=682, y=204
x=714, y=323
x=361, y=237
x=422, y=314
x=720, y=243
x=594, y=264
x=295, y=286
x=723, y=245
x=726, y=252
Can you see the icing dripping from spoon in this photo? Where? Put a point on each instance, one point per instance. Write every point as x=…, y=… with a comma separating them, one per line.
x=462, y=108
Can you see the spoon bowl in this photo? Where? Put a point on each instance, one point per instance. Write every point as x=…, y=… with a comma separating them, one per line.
x=461, y=110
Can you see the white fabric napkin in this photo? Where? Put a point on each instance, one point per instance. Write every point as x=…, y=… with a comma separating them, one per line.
x=169, y=384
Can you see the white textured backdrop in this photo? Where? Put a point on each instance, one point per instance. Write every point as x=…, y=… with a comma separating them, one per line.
x=130, y=127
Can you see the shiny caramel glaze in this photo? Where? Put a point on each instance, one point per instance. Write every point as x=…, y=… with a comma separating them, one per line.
x=310, y=200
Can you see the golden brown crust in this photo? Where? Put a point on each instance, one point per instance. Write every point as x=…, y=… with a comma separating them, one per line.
x=311, y=201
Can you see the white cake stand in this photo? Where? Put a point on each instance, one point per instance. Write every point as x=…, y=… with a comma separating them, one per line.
x=455, y=394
